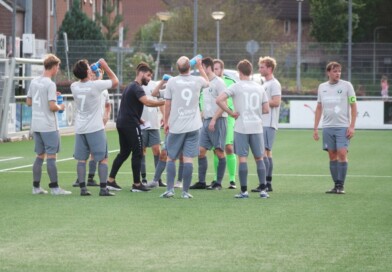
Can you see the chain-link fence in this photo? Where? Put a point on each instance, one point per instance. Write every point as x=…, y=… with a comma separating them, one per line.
x=369, y=60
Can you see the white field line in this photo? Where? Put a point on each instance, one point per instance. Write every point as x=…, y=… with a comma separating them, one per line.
x=30, y=165
x=10, y=159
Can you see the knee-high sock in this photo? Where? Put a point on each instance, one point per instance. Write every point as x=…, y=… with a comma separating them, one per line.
x=37, y=170
x=92, y=167
x=271, y=167
x=81, y=171
x=342, y=172
x=159, y=170
x=267, y=166
x=333, y=168
x=203, y=164
x=243, y=175
x=231, y=161
x=188, y=170
x=143, y=167
x=103, y=174
x=180, y=171
x=261, y=173
x=170, y=175
x=52, y=170
x=156, y=160
x=221, y=170
x=216, y=163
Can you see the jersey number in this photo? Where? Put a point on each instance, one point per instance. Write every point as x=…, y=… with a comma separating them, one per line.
x=37, y=99
x=186, y=94
x=252, y=101
x=82, y=100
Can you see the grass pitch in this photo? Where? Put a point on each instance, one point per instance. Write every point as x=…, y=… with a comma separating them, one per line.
x=299, y=228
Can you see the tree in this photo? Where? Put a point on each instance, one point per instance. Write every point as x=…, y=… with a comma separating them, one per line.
x=111, y=23
x=85, y=39
x=78, y=26
x=330, y=20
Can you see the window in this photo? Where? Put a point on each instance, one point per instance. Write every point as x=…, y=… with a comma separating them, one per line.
x=287, y=27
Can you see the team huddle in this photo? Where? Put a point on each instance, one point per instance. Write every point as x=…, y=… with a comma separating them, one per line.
x=202, y=112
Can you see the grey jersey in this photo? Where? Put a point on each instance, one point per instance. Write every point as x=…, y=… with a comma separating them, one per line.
x=335, y=100
x=151, y=114
x=43, y=90
x=87, y=97
x=272, y=88
x=248, y=98
x=184, y=93
x=217, y=86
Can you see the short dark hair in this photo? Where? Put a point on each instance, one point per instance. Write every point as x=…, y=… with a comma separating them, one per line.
x=80, y=69
x=143, y=67
x=208, y=62
x=245, y=67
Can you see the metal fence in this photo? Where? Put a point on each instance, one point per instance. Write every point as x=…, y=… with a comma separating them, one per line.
x=370, y=61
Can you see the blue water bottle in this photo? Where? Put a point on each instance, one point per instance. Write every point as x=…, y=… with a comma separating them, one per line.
x=166, y=77
x=193, y=61
x=95, y=68
x=59, y=102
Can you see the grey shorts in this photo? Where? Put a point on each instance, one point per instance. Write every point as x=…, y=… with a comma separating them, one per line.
x=269, y=137
x=94, y=143
x=185, y=143
x=242, y=142
x=47, y=142
x=335, y=138
x=151, y=137
x=213, y=139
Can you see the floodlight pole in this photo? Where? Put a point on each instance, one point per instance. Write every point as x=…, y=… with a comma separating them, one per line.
x=218, y=16
x=163, y=17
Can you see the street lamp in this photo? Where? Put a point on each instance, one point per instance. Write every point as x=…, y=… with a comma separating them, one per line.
x=163, y=17
x=299, y=44
x=374, y=50
x=218, y=16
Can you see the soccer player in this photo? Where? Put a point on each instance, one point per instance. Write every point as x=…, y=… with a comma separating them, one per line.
x=336, y=101
x=42, y=97
x=151, y=135
x=213, y=131
x=231, y=159
x=128, y=127
x=90, y=137
x=182, y=122
x=106, y=107
x=273, y=89
x=250, y=102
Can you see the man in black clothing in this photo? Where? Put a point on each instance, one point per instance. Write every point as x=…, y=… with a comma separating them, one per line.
x=128, y=127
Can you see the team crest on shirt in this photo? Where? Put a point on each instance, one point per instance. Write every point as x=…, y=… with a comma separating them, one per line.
x=340, y=91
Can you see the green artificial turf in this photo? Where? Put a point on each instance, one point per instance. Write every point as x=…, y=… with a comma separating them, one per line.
x=299, y=228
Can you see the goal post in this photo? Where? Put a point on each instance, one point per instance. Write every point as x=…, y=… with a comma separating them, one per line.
x=8, y=79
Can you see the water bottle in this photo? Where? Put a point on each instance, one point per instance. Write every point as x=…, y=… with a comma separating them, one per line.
x=166, y=77
x=59, y=102
x=95, y=68
x=193, y=61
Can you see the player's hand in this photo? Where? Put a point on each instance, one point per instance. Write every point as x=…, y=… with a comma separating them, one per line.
x=105, y=119
x=235, y=115
x=211, y=126
x=166, y=129
x=315, y=135
x=350, y=133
